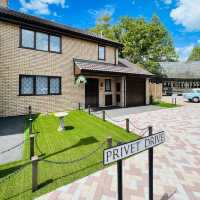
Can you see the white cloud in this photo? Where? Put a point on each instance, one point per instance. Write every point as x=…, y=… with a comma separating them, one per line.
x=198, y=41
x=40, y=7
x=160, y=6
x=187, y=14
x=106, y=10
x=184, y=52
x=168, y=2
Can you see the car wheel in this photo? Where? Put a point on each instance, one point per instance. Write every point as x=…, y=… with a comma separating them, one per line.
x=195, y=100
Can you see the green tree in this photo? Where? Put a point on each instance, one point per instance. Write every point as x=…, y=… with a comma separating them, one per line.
x=103, y=27
x=146, y=43
x=195, y=54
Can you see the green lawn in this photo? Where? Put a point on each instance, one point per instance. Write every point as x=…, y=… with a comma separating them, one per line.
x=83, y=134
x=163, y=104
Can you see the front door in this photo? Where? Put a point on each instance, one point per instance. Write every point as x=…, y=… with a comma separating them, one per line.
x=92, y=92
x=108, y=100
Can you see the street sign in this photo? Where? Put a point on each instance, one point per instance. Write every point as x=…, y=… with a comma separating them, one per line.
x=131, y=148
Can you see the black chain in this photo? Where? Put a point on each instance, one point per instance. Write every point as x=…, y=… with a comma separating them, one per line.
x=66, y=162
x=97, y=112
x=13, y=173
x=36, y=143
x=14, y=147
x=77, y=160
x=141, y=129
x=117, y=121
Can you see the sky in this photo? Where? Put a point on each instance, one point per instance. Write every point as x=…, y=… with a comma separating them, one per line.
x=181, y=17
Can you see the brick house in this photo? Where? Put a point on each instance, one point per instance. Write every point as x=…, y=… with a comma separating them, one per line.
x=40, y=62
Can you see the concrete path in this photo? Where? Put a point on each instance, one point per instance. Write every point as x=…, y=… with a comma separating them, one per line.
x=11, y=134
x=176, y=163
x=118, y=112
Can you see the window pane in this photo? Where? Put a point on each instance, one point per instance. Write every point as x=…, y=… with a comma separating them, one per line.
x=108, y=85
x=42, y=41
x=27, y=85
x=41, y=85
x=27, y=38
x=54, y=85
x=101, y=53
x=55, y=43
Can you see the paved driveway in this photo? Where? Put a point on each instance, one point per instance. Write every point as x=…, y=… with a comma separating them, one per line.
x=176, y=172
x=118, y=112
x=11, y=134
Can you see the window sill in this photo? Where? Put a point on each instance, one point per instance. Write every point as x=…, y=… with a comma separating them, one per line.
x=29, y=48
x=108, y=92
x=36, y=95
x=103, y=60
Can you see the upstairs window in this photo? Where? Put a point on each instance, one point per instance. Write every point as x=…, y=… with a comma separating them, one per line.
x=55, y=43
x=27, y=38
x=40, y=41
x=101, y=52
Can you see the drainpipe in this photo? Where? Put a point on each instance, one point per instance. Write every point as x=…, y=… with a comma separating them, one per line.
x=125, y=91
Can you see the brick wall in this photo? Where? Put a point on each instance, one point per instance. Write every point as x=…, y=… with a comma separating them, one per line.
x=15, y=61
x=4, y=3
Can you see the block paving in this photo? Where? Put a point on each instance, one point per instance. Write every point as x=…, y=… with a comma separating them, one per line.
x=176, y=163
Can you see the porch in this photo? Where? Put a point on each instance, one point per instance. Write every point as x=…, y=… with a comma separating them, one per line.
x=109, y=85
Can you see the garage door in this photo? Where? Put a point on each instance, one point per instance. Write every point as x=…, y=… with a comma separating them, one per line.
x=135, y=92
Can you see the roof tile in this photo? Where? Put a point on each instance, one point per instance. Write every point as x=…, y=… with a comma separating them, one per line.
x=124, y=67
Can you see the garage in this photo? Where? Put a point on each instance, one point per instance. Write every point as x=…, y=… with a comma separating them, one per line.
x=135, y=91
x=128, y=85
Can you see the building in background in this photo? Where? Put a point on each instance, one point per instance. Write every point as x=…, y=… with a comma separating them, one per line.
x=177, y=77
x=180, y=76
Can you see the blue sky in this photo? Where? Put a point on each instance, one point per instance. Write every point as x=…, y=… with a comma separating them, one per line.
x=181, y=17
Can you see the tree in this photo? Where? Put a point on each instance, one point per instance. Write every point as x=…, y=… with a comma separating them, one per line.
x=103, y=26
x=146, y=43
x=195, y=54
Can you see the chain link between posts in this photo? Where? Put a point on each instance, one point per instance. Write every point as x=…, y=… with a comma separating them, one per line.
x=93, y=152
x=13, y=147
x=114, y=120
x=3, y=179
x=76, y=160
x=67, y=162
x=143, y=131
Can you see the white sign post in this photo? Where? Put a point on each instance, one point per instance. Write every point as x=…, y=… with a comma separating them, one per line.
x=131, y=148
x=174, y=96
x=126, y=150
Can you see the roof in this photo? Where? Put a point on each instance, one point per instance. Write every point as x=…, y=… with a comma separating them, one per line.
x=124, y=67
x=12, y=16
x=181, y=70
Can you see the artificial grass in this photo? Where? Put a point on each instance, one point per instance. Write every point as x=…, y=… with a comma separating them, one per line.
x=163, y=104
x=84, y=133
